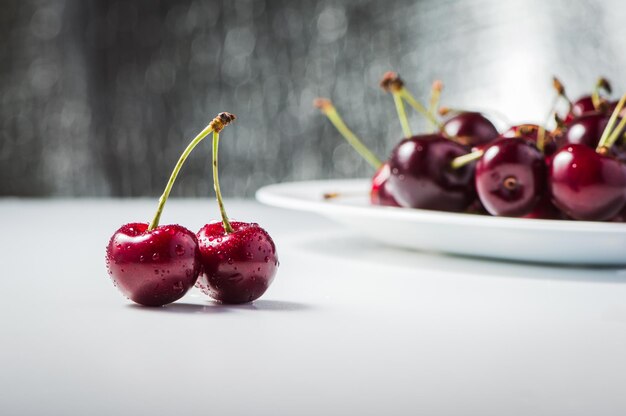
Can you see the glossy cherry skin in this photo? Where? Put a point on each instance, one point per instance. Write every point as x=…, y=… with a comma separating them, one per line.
x=545, y=209
x=586, y=129
x=585, y=105
x=470, y=128
x=153, y=268
x=586, y=185
x=582, y=106
x=421, y=175
x=379, y=195
x=510, y=177
x=237, y=267
x=530, y=132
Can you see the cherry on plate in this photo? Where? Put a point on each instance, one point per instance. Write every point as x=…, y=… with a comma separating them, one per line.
x=422, y=175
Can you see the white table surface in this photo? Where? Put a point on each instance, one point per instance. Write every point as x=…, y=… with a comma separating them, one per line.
x=349, y=327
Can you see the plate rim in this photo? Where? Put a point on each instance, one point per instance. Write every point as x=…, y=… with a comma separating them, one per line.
x=271, y=195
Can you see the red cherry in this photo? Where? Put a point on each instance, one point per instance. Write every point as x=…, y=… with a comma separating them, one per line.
x=586, y=185
x=154, y=267
x=379, y=195
x=510, y=177
x=470, y=128
x=239, y=266
x=581, y=106
x=239, y=259
x=545, y=209
x=530, y=132
x=589, y=103
x=587, y=129
x=422, y=176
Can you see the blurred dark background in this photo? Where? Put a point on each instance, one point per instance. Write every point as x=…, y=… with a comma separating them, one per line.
x=98, y=98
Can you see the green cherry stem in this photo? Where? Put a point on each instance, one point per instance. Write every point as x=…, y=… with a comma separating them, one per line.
x=170, y=183
x=616, y=133
x=560, y=90
x=601, y=84
x=404, y=121
x=463, y=160
x=610, y=135
x=552, y=110
x=329, y=110
x=541, y=139
x=391, y=82
x=417, y=106
x=216, y=185
x=435, y=97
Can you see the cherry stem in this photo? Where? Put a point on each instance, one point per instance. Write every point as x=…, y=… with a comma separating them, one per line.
x=404, y=121
x=601, y=84
x=610, y=135
x=417, y=106
x=560, y=89
x=552, y=110
x=541, y=138
x=329, y=110
x=170, y=183
x=435, y=96
x=616, y=133
x=216, y=185
x=463, y=160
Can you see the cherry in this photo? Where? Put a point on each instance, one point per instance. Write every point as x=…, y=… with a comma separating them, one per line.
x=587, y=185
x=422, y=175
x=587, y=103
x=470, y=128
x=581, y=106
x=533, y=133
x=237, y=266
x=155, y=265
x=586, y=129
x=510, y=177
x=545, y=209
x=379, y=195
x=239, y=259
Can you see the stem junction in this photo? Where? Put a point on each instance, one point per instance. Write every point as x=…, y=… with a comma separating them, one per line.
x=217, y=124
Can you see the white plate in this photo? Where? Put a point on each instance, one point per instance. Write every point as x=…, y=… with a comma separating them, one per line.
x=541, y=241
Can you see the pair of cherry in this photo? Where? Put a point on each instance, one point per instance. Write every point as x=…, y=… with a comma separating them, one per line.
x=519, y=173
x=153, y=265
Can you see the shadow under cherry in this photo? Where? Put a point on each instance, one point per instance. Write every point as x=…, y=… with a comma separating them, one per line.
x=213, y=307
